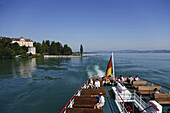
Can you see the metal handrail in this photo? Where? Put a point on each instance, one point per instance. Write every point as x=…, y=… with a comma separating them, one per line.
x=128, y=107
x=152, y=105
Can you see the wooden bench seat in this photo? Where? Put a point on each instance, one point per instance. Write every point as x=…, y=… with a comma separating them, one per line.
x=162, y=98
x=83, y=110
x=147, y=89
x=85, y=100
x=139, y=83
x=93, y=92
x=81, y=105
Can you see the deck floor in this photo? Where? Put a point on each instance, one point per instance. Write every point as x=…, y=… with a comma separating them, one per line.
x=110, y=105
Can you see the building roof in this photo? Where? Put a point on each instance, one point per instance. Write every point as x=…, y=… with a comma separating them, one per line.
x=18, y=39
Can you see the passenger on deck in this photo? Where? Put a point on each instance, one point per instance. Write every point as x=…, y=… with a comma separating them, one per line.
x=136, y=78
x=129, y=80
x=100, y=104
x=90, y=84
x=106, y=81
x=103, y=81
x=97, y=84
x=121, y=79
x=155, y=92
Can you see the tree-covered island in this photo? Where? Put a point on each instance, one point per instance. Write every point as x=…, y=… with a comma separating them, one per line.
x=10, y=50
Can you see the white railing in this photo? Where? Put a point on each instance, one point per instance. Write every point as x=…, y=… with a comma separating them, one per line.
x=122, y=106
x=124, y=96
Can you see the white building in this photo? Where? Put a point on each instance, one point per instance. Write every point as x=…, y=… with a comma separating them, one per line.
x=32, y=50
x=21, y=41
x=25, y=42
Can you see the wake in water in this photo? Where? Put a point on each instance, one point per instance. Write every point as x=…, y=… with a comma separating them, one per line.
x=94, y=71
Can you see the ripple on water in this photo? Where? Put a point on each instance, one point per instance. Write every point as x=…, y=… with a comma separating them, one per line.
x=46, y=78
x=51, y=68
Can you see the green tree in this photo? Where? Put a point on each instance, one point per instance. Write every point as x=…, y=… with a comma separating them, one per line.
x=6, y=42
x=16, y=48
x=81, y=50
x=1, y=53
x=55, y=48
x=23, y=53
x=47, y=46
x=25, y=48
x=6, y=50
x=59, y=48
x=67, y=50
x=43, y=46
x=52, y=48
x=9, y=53
x=38, y=47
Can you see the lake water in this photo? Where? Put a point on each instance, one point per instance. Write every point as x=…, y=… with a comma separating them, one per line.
x=44, y=85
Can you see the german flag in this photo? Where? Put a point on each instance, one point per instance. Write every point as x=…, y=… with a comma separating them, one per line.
x=109, y=69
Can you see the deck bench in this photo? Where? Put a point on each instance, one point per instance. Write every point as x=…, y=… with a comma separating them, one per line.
x=136, y=84
x=162, y=98
x=93, y=92
x=147, y=89
x=83, y=110
x=85, y=100
x=91, y=105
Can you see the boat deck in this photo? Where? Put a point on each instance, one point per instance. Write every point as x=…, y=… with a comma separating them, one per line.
x=82, y=102
x=110, y=105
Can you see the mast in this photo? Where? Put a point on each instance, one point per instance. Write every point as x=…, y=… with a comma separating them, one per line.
x=113, y=66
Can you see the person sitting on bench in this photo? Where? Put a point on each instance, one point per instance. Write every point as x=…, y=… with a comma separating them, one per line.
x=108, y=82
x=97, y=84
x=155, y=92
x=104, y=81
x=121, y=79
x=136, y=78
x=129, y=80
x=90, y=84
x=100, y=104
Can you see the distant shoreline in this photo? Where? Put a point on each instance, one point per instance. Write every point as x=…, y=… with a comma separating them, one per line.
x=136, y=51
x=69, y=56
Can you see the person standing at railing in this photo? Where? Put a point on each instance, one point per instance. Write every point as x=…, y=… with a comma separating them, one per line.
x=97, y=84
x=101, y=102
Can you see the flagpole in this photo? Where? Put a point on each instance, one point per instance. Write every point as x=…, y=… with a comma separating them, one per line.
x=113, y=65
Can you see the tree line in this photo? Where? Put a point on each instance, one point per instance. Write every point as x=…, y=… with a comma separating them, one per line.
x=53, y=48
x=10, y=50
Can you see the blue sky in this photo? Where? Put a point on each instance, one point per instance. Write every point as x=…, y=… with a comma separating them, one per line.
x=97, y=24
